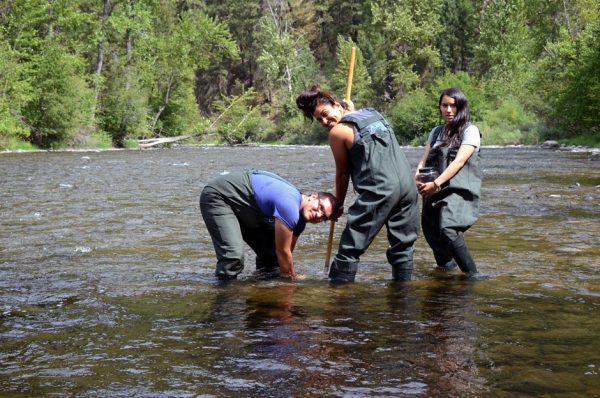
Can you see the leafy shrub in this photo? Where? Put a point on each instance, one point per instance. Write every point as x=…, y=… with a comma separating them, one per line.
x=509, y=124
x=413, y=116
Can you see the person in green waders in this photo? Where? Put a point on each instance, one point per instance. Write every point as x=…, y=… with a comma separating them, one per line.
x=451, y=198
x=365, y=150
x=263, y=210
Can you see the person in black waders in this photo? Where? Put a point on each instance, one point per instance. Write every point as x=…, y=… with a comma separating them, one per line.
x=263, y=210
x=451, y=200
x=365, y=149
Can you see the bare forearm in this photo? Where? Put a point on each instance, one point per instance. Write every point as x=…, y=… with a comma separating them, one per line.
x=341, y=187
x=286, y=263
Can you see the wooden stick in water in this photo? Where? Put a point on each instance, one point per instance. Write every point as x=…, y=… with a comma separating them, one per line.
x=347, y=97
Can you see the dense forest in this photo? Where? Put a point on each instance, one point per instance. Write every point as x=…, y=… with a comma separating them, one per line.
x=103, y=73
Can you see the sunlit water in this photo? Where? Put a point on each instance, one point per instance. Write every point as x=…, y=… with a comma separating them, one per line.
x=107, y=287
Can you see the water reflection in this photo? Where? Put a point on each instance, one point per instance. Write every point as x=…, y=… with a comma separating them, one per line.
x=451, y=339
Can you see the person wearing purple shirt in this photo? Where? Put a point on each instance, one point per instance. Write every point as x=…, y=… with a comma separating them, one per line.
x=263, y=210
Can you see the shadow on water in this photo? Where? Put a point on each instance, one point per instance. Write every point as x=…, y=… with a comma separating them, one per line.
x=107, y=287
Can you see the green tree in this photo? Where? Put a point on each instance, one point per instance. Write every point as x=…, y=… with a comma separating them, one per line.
x=399, y=38
x=361, y=94
x=15, y=92
x=184, y=44
x=60, y=106
x=578, y=106
x=503, y=45
x=286, y=65
x=124, y=98
x=457, y=39
x=239, y=119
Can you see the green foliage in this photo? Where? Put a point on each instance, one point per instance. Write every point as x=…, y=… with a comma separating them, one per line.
x=590, y=141
x=503, y=44
x=401, y=39
x=457, y=40
x=185, y=44
x=15, y=144
x=361, y=93
x=239, y=121
x=507, y=124
x=101, y=140
x=298, y=130
x=15, y=92
x=413, y=116
x=60, y=105
x=124, y=107
x=578, y=106
x=73, y=72
x=286, y=65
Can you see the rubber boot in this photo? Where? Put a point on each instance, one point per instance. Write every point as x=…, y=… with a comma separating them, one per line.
x=402, y=271
x=342, y=271
x=463, y=258
x=443, y=263
x=229, y=269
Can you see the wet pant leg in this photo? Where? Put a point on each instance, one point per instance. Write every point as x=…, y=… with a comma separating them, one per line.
x=431, y=225
x=403, y=230
x=366, y=217
x=225, y=232
x=456, y=217
x=461, y=255
x=262, y=242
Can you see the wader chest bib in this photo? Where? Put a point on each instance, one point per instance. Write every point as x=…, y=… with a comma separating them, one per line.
x=462, y=192
x=387, y=195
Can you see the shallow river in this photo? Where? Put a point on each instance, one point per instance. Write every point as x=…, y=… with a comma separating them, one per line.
x=107, y=287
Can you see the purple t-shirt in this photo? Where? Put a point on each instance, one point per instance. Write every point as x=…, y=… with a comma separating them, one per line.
x=277, y=198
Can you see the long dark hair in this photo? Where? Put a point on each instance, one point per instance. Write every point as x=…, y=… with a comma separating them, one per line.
x=453, y=131
x=308, y=101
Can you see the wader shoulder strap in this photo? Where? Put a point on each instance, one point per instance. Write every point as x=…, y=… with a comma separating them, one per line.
x=436, y=133
x=363, y=117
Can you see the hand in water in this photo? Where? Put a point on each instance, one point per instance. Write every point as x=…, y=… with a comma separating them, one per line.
x=294, y=277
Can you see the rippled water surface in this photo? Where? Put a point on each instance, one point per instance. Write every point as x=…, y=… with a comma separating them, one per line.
x=107, y=287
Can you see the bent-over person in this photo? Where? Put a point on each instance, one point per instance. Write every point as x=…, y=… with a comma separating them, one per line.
x=263, y=210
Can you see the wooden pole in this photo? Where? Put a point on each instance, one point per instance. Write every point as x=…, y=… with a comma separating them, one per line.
x=347, y=97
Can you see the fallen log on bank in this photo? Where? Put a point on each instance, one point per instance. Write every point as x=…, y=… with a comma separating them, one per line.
x=150, y=142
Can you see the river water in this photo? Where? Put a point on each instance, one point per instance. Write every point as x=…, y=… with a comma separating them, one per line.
x=107, y=287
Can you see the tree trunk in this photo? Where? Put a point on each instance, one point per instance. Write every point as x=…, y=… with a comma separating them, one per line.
x=164, y=104
x=100, y=60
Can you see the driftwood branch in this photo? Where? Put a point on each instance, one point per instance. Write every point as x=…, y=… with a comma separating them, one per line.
x=150, y=142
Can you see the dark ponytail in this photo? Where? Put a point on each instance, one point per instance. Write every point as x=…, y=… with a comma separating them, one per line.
x=308, y=101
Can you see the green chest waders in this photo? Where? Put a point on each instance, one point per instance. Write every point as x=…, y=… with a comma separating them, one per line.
x=387, y=195
x=452, y=211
